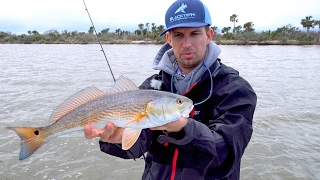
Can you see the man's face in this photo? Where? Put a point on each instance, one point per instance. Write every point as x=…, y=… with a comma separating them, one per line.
x=189, y=46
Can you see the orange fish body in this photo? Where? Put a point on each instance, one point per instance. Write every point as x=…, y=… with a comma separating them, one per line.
x=125, y=106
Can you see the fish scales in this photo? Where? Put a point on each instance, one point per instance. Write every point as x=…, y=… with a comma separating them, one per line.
x=127, y=107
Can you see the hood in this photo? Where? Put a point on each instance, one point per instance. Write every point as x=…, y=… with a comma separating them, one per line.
x=165, y=60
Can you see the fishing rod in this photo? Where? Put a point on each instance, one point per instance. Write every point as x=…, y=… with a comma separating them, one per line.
x=113, y=78
x=99, y=42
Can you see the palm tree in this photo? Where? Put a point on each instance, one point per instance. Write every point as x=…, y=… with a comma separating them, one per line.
x=147, y=27
x=226, y=33
x=91, y=30
x=307, y=23
x=226, y=30
x=234, y=19
x=153, y=27
x=237, y=29
x=36, y=35
x=118, y=31
x=248, y=27
x=137, y=32
x=317, y=22
x=154, y=32
x=105, y=31
x=141, y=28
x=160, y=29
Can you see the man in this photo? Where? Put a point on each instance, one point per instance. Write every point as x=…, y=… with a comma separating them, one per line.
x=209, y=144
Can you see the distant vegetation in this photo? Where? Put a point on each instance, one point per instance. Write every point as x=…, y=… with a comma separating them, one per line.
x=149, y=33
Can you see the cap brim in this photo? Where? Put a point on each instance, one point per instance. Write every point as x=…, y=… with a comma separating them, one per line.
x=185, y=25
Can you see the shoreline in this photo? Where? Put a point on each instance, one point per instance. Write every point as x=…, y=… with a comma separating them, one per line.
x=237, y=42
x=218, y=42
x=275, y=42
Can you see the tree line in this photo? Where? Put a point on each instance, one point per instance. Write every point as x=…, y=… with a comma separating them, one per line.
x=149, y=32
x=282, y=34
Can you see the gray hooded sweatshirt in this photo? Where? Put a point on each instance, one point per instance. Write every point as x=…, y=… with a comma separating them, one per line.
x=167, y=61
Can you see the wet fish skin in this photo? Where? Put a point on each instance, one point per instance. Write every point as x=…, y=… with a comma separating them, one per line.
x=125, y=106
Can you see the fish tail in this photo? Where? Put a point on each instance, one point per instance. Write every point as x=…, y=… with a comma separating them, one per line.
x=31, y=140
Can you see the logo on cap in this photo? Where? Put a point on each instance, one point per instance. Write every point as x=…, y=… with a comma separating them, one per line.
x=181, y=8
x=186, y=13
x=183, y=15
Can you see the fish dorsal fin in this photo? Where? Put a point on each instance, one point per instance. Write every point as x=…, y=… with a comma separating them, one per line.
x=86, y=95
x=123, y=84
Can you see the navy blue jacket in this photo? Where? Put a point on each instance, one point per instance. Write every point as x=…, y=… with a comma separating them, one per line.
x=214, y=139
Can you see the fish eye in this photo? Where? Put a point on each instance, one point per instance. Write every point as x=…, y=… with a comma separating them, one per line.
x=36, y=132
x=179, y=101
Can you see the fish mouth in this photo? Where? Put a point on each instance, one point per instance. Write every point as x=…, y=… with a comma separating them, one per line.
x=186, y=112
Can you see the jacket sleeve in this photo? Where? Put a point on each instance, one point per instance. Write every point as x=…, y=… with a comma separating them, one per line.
x=141, y=145
x=220, y=144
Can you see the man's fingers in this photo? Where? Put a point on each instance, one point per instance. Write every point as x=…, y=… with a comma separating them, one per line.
x=110, y=133
x=106, y=132
x=116, y=136
x=174, y=126
x=118, y=131
x=88, y=132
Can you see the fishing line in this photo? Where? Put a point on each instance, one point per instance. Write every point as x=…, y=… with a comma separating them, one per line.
x=211, y=83
x=99, y=41
x=112, y=75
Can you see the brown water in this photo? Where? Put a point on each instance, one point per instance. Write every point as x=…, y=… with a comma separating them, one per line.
x=35, y=79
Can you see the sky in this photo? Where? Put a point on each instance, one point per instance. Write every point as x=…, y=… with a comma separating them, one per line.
x=19, y=16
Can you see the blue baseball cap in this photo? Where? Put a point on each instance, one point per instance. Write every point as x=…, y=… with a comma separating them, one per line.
x=187, y=13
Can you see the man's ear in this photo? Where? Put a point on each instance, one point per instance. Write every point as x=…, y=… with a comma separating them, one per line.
x=210, y=34
x=168, y=38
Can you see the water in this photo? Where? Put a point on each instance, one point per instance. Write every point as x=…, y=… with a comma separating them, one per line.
x=35, y=79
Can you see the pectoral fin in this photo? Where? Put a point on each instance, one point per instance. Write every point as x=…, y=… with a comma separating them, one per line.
x=129, y=137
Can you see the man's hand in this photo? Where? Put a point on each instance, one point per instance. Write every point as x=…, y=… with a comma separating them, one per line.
x=174, y=126
x=113, y=134
x=110, y=133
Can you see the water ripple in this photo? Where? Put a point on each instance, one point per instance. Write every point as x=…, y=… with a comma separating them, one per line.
x=285, y=143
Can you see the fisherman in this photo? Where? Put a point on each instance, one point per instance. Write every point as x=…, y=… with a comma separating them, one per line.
x=210, y=143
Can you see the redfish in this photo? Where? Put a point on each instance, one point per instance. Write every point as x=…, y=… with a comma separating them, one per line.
x=124, y=105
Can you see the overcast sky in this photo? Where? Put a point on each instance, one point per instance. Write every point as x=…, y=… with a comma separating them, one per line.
x=19, y=16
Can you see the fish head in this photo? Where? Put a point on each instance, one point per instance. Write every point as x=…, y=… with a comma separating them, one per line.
x=167, y=109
